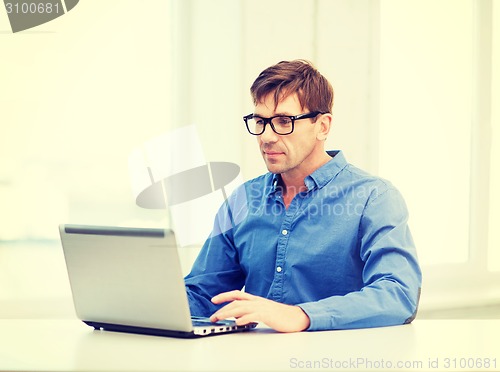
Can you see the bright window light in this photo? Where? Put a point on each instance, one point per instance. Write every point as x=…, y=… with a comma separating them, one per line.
x=425, y=119
x=494, y=232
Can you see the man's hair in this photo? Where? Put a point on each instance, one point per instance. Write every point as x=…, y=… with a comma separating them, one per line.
x=289, y=77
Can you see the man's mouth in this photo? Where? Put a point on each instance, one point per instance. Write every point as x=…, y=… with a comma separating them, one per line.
x=272, y=154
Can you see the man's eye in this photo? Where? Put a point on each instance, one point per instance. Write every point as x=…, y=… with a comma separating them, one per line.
x=283, y=120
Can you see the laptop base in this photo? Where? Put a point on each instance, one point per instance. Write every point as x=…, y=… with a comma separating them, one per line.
x=161, y=332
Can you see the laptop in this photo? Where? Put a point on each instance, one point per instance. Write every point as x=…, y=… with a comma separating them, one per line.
x=130, y=280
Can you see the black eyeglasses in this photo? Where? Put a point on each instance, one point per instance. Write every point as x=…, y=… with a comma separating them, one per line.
x=281, y=124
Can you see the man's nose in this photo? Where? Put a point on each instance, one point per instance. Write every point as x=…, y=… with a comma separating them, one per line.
x=269, y=135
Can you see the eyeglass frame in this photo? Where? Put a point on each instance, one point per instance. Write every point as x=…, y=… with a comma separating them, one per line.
x=307, y=115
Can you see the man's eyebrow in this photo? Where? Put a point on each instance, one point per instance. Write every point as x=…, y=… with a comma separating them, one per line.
x=275, y=114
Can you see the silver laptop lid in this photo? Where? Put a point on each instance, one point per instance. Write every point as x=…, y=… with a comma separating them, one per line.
x=127, y=276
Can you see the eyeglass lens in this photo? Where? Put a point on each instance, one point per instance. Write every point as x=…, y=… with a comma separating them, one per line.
x=280, y=124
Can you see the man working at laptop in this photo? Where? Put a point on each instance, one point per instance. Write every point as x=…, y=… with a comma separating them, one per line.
x=316, y=243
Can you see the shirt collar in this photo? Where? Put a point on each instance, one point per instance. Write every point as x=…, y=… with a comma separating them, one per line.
x=324, y=174
x=321, y=176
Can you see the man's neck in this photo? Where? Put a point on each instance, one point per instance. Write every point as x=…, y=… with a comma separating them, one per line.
x=294, y=182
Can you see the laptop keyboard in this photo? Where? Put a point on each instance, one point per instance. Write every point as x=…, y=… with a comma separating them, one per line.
x=205, y=322
x=197, y=323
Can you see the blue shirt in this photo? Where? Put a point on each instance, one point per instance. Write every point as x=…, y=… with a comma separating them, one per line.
x=342, y=250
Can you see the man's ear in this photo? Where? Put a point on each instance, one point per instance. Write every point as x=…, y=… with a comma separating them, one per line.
x=325, y=122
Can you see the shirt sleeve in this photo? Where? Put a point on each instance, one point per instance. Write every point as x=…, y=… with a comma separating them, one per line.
x=216, y=268
x=391, y=274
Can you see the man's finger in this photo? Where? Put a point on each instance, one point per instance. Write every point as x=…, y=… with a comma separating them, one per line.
x=231, y=296
x=246, y=319
x=226, y=313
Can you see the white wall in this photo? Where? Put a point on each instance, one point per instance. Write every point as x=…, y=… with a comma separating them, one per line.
x=77, y=94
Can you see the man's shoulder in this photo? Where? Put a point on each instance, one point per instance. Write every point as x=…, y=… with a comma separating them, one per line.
x=344, y=172
x=374, y=185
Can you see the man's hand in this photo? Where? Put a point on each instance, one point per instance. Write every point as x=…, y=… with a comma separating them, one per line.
x=247, y=308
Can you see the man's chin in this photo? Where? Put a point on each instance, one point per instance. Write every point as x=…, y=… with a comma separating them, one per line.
x=274, y=168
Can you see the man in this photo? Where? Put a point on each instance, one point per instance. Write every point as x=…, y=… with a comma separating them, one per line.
x=316, y=243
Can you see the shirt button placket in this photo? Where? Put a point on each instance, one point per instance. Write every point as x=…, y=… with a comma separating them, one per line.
x=284, y=236
x=280, y=262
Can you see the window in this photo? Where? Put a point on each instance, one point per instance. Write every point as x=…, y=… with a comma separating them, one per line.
x=494, y=204
x=435, y=100
x=426, y=87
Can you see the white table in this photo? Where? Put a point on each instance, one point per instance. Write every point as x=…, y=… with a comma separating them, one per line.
x=69, y=345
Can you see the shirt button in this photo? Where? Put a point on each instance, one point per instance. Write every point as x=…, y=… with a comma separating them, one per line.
x=279, y=269
x=284, y=232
